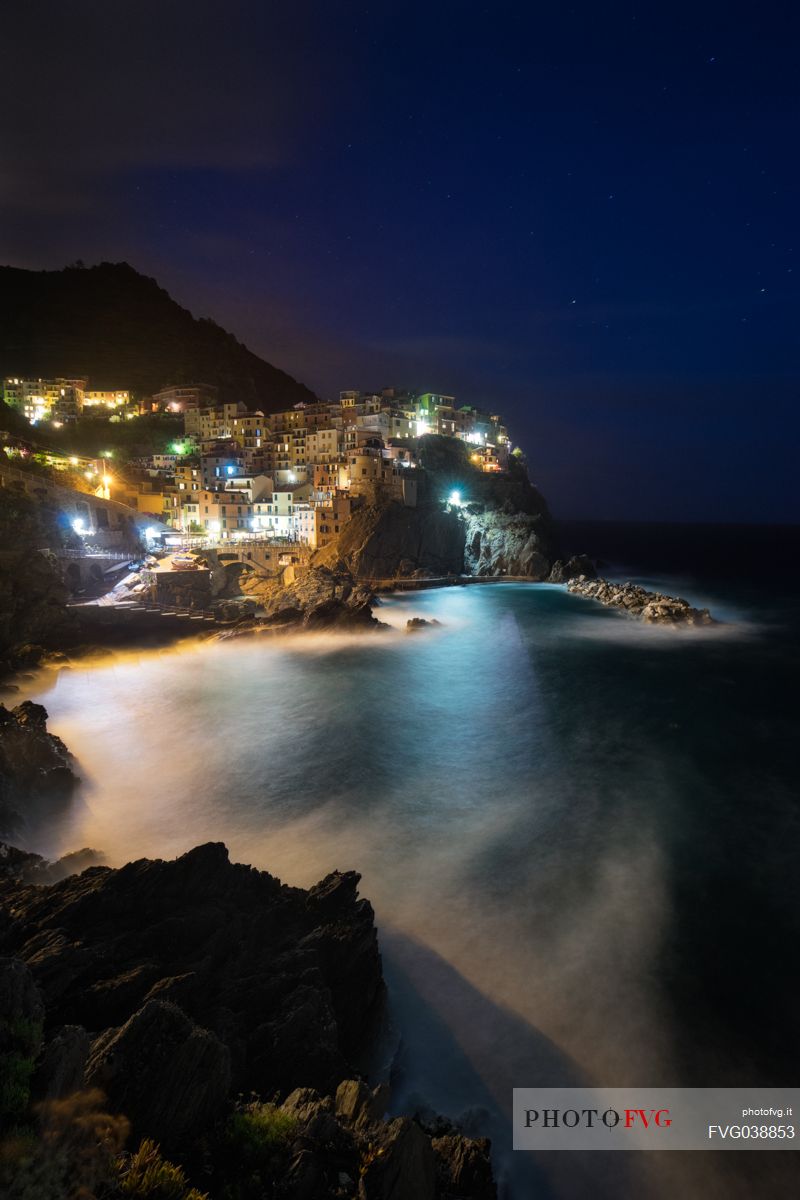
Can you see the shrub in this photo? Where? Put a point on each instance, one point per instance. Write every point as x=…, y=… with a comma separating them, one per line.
x=251, y=1153
x=259, y=1130
x=148, y=1176
x=71, y=1154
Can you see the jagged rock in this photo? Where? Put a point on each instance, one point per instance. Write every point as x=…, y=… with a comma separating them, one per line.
x=35, y=766
x=651, y=607
x=416, y=624
x=168, y=1076
x=359, y=1106
x=401, y=1165
x=499, y=543
x=464, y=1168
x=33, y=604
x=289, y=980
x=20, y=999
x=234, y=610
x=384, y=541
x=579, y=564
x=61, y=1068
x=316, y=598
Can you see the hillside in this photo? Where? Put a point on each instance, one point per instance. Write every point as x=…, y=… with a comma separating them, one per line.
x=121, y=329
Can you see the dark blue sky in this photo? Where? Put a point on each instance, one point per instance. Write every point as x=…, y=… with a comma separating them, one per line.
x=584, y=216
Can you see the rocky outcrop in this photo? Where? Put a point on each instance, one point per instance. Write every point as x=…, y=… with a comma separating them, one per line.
x=198, y=980
x=168, y=1076
x=346, y=1147
x=313, y=598
x=384, y=541
x=33, y=612
x=418, y=624
x=503, y=542
x=36, y=769
x=579, y=564
x=463, y=1167
x=61, y=1069
x=499, y=525
x=288, y=980
x=652, y=607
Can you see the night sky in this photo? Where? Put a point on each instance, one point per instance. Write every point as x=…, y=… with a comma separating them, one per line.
x=583, y=216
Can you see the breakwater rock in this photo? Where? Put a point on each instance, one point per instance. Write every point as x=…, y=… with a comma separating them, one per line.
x=36, y=769
x=652, y=607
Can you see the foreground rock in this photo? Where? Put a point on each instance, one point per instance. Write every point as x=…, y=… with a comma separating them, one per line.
x=343, y=1146
x=290, y=981
x=651, y=607
x=163, y=990
x=36, y=769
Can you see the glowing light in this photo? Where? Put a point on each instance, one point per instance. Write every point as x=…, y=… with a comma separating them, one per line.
x=213, y=526
x=106, y=480
x=73, y=462
x=150, y=533
x=58, y=424
x=79, y=526
x=455, y=498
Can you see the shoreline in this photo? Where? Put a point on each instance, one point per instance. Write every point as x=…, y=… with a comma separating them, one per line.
x=630, y=598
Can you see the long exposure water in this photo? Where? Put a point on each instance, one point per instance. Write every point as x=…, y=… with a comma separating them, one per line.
x=578, y=834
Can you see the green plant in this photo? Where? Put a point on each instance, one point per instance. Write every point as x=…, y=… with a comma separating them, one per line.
x=148, y=1176
x=15, y=1078
x=20, y=1039
x=258, y=1130
x=252, y=1150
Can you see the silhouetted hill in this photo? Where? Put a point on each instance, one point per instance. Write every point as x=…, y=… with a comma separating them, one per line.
x=121, y=329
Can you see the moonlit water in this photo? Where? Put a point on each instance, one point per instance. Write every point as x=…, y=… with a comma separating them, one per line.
x=573, y=829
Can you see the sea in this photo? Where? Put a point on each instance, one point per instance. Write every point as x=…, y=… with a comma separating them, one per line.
x=579, y=834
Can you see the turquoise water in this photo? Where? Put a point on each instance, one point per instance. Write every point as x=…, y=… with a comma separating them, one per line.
x=578, y=834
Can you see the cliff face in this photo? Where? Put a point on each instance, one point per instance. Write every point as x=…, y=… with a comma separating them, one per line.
x=500, y=527
x=33, y=612
x=122, y=330
x=499, y=542
x=382, y=541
